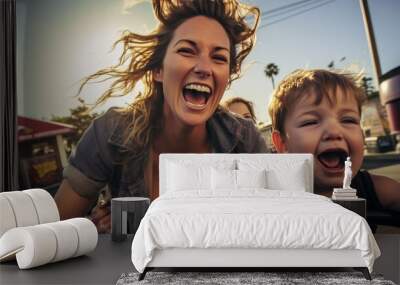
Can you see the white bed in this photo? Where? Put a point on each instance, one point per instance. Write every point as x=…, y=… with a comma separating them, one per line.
x=247, y=210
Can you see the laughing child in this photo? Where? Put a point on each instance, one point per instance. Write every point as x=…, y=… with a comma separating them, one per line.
x=318, y=112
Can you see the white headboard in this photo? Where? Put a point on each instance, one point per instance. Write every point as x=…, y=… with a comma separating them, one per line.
x=281, y=162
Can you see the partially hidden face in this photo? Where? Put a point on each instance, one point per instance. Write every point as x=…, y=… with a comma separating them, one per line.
x=195, y=71
x=241, y=109
x=331, y=131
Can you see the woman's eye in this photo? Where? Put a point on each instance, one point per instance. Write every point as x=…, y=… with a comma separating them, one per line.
x=186, y=51
x=220, y=58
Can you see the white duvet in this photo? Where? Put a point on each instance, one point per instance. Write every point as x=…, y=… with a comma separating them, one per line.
x=253, y=218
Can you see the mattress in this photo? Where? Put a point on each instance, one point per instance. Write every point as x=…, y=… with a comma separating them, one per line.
x=251, y=219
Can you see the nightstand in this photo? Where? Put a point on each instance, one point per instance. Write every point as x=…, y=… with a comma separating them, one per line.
x=127, y=212
x=358, y=205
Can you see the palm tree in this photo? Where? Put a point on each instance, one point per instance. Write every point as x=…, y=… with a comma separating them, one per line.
x=270, y=71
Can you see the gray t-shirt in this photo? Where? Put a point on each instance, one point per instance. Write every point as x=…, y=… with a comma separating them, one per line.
x=102, y=158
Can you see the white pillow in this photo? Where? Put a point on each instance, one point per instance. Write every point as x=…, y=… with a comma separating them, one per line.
x=281, y=180
x=193, y=174
x=226, y=179
x=281, y=174
x=223, y=179
x=251, y=178
x=182, y=177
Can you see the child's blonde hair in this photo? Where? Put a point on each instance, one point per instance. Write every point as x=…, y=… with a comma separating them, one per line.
x=321, y=83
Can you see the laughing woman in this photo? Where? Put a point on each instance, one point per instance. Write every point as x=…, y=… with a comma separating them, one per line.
x=186, y=65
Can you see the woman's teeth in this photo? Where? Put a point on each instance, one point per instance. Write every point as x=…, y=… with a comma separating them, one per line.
x=196, y=96
x=198, y=88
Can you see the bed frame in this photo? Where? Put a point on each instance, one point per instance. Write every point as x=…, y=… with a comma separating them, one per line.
x=249, y=259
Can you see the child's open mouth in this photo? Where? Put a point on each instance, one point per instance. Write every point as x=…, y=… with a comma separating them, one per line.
x=333, y=159
x=196, y=95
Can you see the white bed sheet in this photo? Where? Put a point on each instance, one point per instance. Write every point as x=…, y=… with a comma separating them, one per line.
x=252, y=218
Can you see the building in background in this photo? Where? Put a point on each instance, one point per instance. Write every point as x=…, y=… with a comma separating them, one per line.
x=374, y=117
x=266, y=132
x=375, y=125
x=42, y=154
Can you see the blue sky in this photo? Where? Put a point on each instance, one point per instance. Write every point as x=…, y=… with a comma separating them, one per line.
x=61, y=41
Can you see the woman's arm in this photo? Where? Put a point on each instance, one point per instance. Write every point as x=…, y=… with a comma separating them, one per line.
x=88, y=171
x=388, y=192
x=70, y=204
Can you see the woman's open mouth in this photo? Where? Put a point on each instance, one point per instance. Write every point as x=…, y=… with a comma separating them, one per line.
x=196, y=95
x=333, y=159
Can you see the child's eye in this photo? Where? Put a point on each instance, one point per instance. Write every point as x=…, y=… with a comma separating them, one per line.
x=308, y=123
x=350, y=120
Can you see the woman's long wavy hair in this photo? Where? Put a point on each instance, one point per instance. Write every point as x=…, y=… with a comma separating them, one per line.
x=144, y=54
